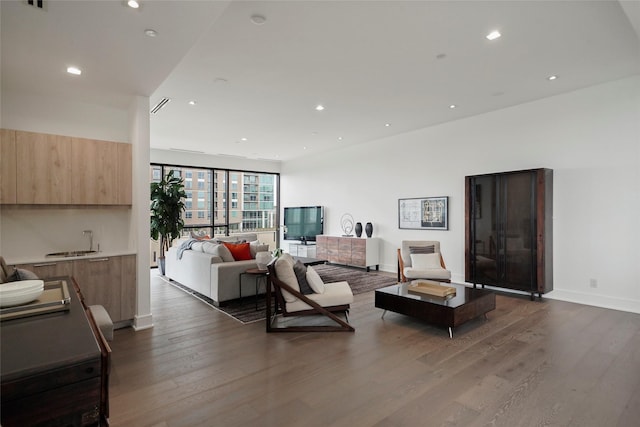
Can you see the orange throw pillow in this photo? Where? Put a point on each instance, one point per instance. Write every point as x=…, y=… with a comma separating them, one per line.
x=240, y=251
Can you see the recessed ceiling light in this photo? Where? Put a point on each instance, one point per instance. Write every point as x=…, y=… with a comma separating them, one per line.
x=452, y=106
x=339, y=138
x=192, y=102
x=74, y=70
x=258, y=19
x=319, y=107
x=493, y=35
x=243, y=139
x=133, y=4
x=304, y=148
x=149, y=32
x=551, y=78
x=387, y=124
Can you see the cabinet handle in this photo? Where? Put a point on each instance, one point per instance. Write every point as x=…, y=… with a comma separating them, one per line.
x=98, y=259
x=47, y=264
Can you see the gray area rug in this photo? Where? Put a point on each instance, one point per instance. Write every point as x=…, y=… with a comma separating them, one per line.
x=244, y=310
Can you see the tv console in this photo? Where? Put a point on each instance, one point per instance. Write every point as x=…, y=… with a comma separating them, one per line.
x=352, y=251
x=303, y=249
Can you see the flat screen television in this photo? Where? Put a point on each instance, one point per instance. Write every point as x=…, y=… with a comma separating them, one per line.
x=303, y=223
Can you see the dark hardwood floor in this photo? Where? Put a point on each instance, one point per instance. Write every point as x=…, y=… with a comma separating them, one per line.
x=547, y=363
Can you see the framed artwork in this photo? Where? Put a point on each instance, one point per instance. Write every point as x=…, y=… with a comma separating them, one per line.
x=427, y=213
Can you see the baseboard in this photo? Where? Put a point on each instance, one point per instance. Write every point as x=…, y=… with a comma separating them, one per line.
x=142, y=322
x=604, y=301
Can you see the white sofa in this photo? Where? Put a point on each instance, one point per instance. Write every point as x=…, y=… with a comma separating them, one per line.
x=208, y=273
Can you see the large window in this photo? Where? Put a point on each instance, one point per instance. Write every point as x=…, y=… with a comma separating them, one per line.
x=223, y=202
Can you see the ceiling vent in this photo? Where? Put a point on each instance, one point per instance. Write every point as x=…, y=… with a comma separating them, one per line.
x=36, y=3
x=159, y=105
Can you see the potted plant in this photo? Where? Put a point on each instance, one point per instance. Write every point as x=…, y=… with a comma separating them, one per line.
x=167, y=204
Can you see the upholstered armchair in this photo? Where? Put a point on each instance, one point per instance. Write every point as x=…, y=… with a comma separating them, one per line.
x=299, y=291
x=421, y=259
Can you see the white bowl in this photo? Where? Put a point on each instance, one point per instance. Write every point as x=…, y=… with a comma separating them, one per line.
x=19, y=293
x=20, y=286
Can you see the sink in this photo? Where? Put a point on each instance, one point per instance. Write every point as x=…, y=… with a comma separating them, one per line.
x=71, y=253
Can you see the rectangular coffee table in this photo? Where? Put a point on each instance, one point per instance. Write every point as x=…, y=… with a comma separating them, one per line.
x=468, y=304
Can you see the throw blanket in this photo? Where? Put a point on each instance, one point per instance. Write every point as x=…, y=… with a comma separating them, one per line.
x=186, y=246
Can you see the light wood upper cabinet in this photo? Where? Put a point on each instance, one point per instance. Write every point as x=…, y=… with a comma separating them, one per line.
x=95, y=167
x=43, y=168
x=125, y=174
x=7, y=166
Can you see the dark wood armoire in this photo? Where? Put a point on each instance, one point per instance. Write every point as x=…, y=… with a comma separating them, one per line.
x=509, y=229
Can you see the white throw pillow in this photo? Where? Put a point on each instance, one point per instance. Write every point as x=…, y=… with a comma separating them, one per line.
x=425, y=261
x=315, y=281
x=218, y=250
x=256, y=247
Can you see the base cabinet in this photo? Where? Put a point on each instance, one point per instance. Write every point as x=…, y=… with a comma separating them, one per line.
x=50, y=269
x=349, y=251
x=99, y=279
x=107, y=281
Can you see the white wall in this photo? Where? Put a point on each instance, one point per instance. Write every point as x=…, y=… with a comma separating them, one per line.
x=590, y=138
x=31, y=232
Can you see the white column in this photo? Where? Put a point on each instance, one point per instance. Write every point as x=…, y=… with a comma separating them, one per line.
x=140, y=138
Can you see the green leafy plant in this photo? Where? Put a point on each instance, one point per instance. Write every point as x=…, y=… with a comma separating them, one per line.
x=167, y=205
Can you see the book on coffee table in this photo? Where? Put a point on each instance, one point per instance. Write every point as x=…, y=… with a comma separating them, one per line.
x=431, y=288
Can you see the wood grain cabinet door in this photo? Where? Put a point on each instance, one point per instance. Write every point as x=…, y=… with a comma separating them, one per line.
x=48, y=269
x=43, y=168
x=128, y=287
x=321, y=247
x=359, y=252
x=344, y=251
x=100, y=281
x=95, y=168
x=124, y=176
x=8, y=177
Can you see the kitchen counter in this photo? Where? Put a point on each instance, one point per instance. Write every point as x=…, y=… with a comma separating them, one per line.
x=43, y=258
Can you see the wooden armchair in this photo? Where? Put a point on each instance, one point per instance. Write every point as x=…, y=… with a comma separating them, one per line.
x=290, y=301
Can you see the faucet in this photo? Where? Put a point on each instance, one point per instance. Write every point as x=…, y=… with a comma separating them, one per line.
x=90, y=233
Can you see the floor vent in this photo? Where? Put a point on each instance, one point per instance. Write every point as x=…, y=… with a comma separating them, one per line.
x=159, y=105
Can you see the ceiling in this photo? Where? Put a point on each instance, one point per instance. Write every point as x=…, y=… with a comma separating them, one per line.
x=380, y=68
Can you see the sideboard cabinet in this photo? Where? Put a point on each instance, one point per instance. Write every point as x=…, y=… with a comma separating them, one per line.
x=351, y=251
x=509, y=230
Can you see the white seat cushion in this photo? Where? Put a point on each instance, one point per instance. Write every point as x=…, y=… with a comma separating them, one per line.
x=431, y=273
x=338, y=293
x=425, y=261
